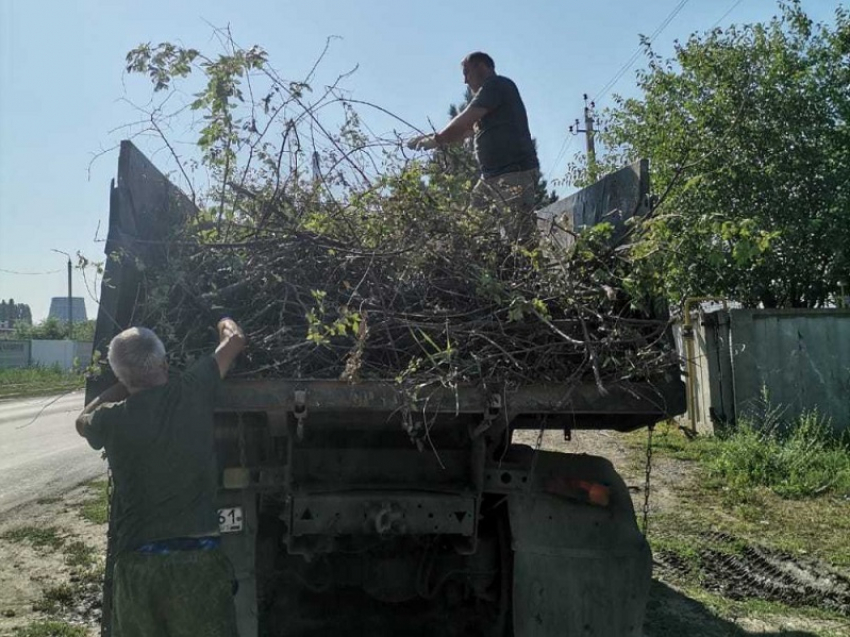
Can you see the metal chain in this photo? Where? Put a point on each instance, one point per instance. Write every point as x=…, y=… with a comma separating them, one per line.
x=537, y=445
x=106, y=605
x=243, y=447
x=110, y=488
x=646, y=484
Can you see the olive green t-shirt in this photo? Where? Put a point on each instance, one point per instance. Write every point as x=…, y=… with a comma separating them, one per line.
x=502, y=140
x=160, y=447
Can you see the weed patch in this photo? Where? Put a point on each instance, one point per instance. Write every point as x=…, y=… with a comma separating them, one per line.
x=56, y=599
x=50, y=629
x=802, y=460
x=36, y=381
x=80, y=555
x=39, y=537
x=95, y=509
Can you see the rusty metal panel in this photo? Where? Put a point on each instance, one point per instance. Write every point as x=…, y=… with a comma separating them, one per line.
x=656, y=401
x=369, y=467
x=800, y=357
x=382, y=513
x=614, y=199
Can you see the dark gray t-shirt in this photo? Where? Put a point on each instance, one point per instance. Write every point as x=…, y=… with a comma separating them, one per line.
x=502, y=139
x=160, y=447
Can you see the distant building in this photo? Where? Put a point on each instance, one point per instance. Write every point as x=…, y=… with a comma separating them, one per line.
x=59, y=309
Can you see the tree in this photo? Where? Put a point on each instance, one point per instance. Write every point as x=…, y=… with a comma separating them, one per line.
x=748, y=134
x=49, y=329
x=12, y=312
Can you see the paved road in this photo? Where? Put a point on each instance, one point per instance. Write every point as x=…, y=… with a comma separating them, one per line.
x=42, y=457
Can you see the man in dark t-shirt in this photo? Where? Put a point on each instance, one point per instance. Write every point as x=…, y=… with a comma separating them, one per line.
x=157, y=430
x=503, y=146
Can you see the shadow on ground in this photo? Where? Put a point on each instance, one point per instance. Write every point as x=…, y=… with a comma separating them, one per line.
x=671, y=614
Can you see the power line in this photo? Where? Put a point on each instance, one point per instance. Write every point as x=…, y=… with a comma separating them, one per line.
x=613, y=81
x=628, y=64
x=728, y=11
x=29, y=273
x=568, y=141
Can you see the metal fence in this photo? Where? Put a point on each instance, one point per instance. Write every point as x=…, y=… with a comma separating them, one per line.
x=796, y=360
x=64, y=354
x=14, y=354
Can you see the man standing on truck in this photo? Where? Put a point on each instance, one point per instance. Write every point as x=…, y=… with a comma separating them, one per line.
x=503, y=146
x=170, y=576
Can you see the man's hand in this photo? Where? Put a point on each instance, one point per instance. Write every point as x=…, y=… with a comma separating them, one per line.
x=231, y=342
x=423, y=142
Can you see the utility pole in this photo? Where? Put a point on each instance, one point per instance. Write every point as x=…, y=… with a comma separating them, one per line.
x=589, y=132
x=70, y=298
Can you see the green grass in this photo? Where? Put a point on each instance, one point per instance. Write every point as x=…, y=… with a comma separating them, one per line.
x=50, y=629
x=786, y=490
x=38, y=381
x=691, y=610
x=800, y=459
x=37, y=536
x=95, y=509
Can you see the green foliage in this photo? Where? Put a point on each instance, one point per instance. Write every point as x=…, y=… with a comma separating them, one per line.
x=804, y=459
x=49, y=629
x=801, y=458
x=52, y=328
x=49, y=329
x=344, y=257
x=11, y=312
x=38, y=537
x=748, y=134
x=38, y=381
x=84, y=331
x=96, y=508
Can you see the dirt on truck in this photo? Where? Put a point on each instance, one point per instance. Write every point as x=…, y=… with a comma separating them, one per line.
x=352, y=504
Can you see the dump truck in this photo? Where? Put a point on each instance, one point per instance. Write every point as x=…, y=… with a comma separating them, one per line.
x=337, y=525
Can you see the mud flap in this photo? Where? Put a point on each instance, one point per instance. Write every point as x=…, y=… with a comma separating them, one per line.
x=579, y=569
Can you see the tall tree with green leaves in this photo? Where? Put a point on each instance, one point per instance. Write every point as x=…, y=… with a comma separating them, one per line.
x=12, y=312
x=748, y=134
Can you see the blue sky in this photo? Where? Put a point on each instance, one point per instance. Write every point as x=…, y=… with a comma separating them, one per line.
x=62, y=84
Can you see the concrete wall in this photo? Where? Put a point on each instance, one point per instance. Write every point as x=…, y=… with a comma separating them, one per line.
x=14, y=354
x=800, y=357
x=61, y=353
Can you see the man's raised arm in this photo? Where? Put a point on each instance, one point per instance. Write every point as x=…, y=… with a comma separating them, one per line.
x=455, y=131
x=113, y=394
x=231, y=342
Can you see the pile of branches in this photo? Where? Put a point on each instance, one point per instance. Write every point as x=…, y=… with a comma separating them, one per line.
x=343, y=257
x=451, y=304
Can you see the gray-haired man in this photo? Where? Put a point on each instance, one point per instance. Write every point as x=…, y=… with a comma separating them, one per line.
x=503, y=146
x=157, y=430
